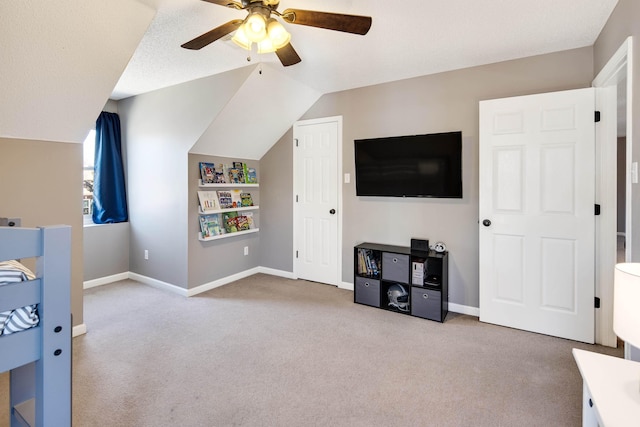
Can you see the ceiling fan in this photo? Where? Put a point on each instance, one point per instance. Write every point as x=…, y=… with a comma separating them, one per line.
x=261, y=27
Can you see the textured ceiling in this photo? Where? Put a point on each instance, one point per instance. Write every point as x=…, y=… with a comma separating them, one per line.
x=408, y=38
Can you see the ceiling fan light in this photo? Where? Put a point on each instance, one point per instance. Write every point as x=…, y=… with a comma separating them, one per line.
x=266, y=46
x=240, y=38
x=277, y=34
x=255, y=27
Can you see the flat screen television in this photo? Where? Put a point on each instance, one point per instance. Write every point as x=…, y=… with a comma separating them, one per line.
x=410, y=166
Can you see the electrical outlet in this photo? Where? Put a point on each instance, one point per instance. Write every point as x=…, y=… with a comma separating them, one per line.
x=246, y=250
x=146, y=254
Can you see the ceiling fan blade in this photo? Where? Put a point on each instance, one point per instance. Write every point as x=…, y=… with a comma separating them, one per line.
x=288, y=55
x=213, y=35
x=227, y=3
x=354, y=24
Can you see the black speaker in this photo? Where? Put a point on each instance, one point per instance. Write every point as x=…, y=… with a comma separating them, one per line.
x=419, y=245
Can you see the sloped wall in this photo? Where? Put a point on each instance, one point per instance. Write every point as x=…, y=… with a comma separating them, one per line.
x=60, y=62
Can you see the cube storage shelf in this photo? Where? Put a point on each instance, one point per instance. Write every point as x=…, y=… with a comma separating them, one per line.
x=397, y=279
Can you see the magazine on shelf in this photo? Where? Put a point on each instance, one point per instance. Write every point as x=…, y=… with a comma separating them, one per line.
x=251, y=176
x=207, y=172
x=208, y=201
x=236, y=200
x=224, y=199
x=230, y=222
x=210, y=225
x=246, y=200
x=236, y=176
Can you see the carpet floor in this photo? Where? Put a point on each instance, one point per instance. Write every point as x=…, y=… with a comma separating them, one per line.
x=268, y=351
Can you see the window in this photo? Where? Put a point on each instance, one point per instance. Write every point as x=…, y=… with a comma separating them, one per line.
x=89, y=148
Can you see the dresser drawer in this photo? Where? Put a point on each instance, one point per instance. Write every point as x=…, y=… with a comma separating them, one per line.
x=395, y=267
x=426, y=303
x=367, y=291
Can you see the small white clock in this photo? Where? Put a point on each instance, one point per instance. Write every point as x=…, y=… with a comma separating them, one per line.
x=439, y=247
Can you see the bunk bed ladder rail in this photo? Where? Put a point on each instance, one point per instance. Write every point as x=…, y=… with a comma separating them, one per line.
x=40, y=391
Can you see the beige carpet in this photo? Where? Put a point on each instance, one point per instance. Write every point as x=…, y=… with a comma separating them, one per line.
x=267, y=351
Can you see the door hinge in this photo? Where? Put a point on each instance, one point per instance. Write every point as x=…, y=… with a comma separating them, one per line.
x=597, y=302
x=597, y=210
x=296, y=254
x=296, y=140
x=597, y=116
x=296, y=198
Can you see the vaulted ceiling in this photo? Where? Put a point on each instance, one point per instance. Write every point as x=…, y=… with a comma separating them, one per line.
x=63, y=59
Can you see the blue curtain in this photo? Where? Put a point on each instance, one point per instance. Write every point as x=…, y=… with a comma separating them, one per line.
x=109, y=190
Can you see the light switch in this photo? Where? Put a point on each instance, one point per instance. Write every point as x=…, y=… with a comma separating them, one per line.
x=347, y=178
x=634, y=172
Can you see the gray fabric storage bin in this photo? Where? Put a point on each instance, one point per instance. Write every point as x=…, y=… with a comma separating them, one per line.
x=367, y=291
x=395, y=267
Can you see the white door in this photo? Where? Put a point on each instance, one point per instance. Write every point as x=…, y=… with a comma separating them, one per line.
x=537, y=241
x=316, y=199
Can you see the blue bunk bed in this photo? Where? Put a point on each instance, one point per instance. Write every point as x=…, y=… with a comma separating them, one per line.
x=39, y=358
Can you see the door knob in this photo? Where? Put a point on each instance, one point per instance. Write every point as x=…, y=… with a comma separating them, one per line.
x=332, y=211
x=486, y=223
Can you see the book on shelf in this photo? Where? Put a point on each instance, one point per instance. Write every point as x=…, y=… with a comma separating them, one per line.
x=207, y=172
x=233, y=222
x=236, y=175
x=219, y=174
x=224, y=199
x=236, y=200
x=248, y=217
x=210, y=225
x=208, y=201
x=246, y=200
x=251, y=176
x=230, y=222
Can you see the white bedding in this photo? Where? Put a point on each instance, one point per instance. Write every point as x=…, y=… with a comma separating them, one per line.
x=21, y=318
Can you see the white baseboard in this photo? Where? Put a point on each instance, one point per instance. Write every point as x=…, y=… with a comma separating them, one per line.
x=346, y=285
x=221, y=282
x=105, y=280
x=274, y=272
x=464, y=309
x=159, y=284
x=456, y=308
x=78, y=330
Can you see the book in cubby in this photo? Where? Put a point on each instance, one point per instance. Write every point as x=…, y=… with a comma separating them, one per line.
x=208, y=201
x=224, y=199
x=368, y=262
x=210, y=225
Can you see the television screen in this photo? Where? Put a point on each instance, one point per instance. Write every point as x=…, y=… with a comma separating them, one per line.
x=410, y=166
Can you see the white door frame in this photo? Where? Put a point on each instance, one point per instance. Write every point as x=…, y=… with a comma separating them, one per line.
x=618, y=67
x=296, y=169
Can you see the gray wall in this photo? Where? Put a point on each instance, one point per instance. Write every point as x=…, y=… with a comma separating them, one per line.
x=159, y=128
x=436, y=103
x=276, y=205
x=106, y=250
x=217, y=259
x=623, y=23
x=40, y=182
